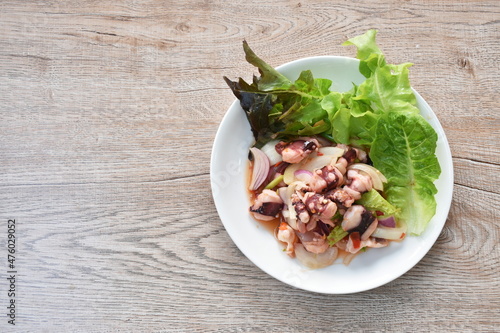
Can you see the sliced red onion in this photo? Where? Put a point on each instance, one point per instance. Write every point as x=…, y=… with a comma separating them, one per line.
x=260, y=168
x=303, y=175
x=389, y=222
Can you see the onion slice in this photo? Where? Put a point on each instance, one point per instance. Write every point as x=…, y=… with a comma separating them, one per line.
x=389, y=233
x=303, y=175
x=389, y=222
x=377, y=177
x=315, y=261
x=289, y=174
x=334, y=152
x=270, y=150
x=348, y=258
x=318, y=162
x=261, y=168
x=290, y=215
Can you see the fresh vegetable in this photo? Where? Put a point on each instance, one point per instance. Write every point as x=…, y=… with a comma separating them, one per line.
x=389, y=222
x=389, y=233
x=315, y=261
x=336, y=235
x=404, y=151
x=380, y=115
x=270, y=150
x=303, y=175
x=260, y=168
x=376, y=176
x=373, y=201
x=274, y=182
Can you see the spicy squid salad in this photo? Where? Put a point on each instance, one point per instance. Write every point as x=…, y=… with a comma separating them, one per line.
x=339, y=173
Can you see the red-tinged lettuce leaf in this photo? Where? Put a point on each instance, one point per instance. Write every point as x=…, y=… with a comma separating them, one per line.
x=270, y=78
x=275, y=106
x=260, y=108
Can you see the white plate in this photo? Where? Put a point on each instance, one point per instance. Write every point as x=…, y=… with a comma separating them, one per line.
x=228, y=172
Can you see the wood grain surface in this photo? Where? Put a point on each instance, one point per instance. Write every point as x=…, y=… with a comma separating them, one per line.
x=108, y=112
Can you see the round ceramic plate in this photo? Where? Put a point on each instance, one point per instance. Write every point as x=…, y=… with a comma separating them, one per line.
x=228, y=174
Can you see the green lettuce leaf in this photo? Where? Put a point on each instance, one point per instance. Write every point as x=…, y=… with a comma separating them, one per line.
x=369, y=54
x=388, y=89
x=341, y=125
x=404, y=151
x=336, y=235
x=372, y=200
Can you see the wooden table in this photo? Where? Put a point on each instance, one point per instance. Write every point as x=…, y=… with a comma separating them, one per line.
x=108, y=113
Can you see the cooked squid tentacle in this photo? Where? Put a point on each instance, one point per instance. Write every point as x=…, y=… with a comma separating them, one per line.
x=311, y=207
x=300, y=209
x=267, y=205
x=326, y=178
x=296, y=151
x=350, y=156
x=358, y=184
x=320, y=206
x=341, y=197
x=313, y=223
x=287, y=235
x=358, y=219
x=361, y=155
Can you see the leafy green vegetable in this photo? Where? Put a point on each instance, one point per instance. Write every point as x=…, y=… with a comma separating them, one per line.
x=388, y=89
x=275, y=106
x=337, y=217
x=270, y=78
x=336, y=235
x=404, y=152
x=380, y=115
x=368, y=53
x=372, y=200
